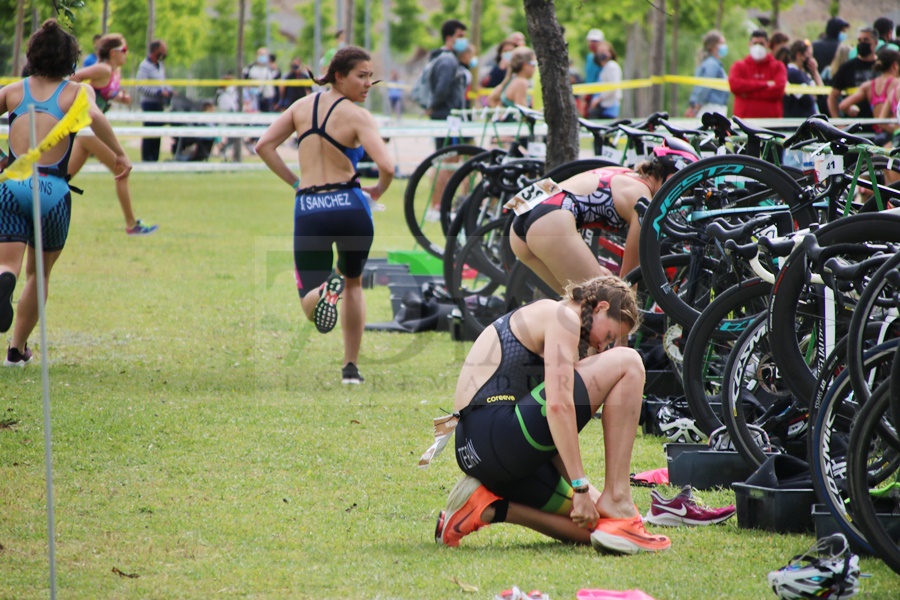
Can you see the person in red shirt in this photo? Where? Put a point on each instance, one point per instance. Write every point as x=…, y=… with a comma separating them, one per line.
x=758, y=81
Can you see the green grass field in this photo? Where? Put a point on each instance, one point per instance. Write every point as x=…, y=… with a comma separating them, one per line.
x=203, y=443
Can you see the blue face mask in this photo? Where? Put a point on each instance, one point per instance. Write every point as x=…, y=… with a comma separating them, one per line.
x=507, y=56
x=842, y=36
x=723, y=50
x=473, y=62
x=262, y=60
x=460, y=44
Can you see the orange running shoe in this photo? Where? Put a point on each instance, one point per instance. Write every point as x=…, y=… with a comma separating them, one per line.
x=467, y=501
x=626, y=536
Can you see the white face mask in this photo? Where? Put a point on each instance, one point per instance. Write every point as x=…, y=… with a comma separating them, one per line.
x=758, y=52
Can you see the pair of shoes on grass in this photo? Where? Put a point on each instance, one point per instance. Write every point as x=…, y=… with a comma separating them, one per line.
x=469, y=498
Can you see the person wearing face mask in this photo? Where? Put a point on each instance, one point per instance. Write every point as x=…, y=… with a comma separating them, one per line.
x=758, y=81
x=513, y=89
x=853, y=74
x=499, y=70
x=448, y=83
x=825, y=47
x=706, y=99
x=260, y=70
x=153, y=97
x=292, y=93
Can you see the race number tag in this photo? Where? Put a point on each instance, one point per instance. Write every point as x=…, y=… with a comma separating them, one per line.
x=454, y=125
x=828, y=165
x=531, y=196
x=612, y=154
x=536, y=150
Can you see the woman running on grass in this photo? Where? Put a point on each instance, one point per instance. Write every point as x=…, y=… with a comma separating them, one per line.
x=104, y=76
x=528, y=386
x=52, y=53
x=330, y=208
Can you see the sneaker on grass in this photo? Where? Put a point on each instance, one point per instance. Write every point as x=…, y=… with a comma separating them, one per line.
x=466, y=502
x=626, y=536
x=141, y=229
x=7, y=285
x=326, y=314
x=14, y=358
x=350, y=375
x=685, y=509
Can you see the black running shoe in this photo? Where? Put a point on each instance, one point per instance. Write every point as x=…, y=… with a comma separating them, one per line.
x=326, y=315
x=7, y=285
x=350, y=375
x=14, y=358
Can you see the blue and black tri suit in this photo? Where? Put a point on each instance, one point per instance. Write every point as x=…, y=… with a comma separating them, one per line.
x=328, y=215
x=16, y=197
x=503, y=438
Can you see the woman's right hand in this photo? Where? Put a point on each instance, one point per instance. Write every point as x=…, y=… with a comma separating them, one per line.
x=584, y=513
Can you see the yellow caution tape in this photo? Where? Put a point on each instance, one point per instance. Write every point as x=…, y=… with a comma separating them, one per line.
x=77, y=118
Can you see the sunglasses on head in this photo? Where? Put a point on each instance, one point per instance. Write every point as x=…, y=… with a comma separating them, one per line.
x=122, y=49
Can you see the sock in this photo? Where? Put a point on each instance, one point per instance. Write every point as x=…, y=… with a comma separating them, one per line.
x=500, y=507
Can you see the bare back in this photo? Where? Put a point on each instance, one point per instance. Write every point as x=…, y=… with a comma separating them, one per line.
x=320, y=161
x=19, y=132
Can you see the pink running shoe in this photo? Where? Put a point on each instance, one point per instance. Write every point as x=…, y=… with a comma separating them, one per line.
x=684, y=509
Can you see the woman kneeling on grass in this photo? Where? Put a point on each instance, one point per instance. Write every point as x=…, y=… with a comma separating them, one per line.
x=529, y=385
x=330, y=209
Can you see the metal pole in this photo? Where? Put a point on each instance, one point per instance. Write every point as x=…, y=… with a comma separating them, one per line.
x=45, y=363
x=368, y=20
x=317, y=54
x=388, y=66
x=340, y=16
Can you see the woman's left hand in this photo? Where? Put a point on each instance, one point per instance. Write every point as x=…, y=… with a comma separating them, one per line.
x=373, y=191
x=584, y=513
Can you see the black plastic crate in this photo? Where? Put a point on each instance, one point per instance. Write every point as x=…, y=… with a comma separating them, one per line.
x=704, y=469
x=770, y=509
x=826, y=524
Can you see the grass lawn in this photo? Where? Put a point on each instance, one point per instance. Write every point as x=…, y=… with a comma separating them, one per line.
x=203, y=443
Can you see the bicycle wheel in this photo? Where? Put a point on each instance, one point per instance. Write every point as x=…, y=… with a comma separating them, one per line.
x=709, y=343
x=732, y=187
x=423, y=193
x=830, y=433
x=795, y=317
x=479, y=277
x=872, y=460
x=876, y=305
x=754, y=394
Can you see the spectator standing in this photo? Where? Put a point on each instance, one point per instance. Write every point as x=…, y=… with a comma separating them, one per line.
x=518, y=38
x=448, y=83
x=825, y=47
x=501, y=64
x=292, y=93
x=266, y=97
x=154, y=98
x=801, y=70
x=605, y=105
x=273, y=65
x=591, y=66
x=885, y=29
x=854, y=73
x=706, y=99
x=779, y=46
x=513, y=89
x=758, y=81
x=91, y=59
x=395, y=94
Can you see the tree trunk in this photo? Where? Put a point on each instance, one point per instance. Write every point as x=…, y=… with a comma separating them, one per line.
x=349, y=7
x=658, y=52
x=151, y=23
x=560, y=113
x=673, y=59
x=776, y=13
x=105, y=25
x=720, y=14
x=637, y=101
x=475, y=35
x=17, y=42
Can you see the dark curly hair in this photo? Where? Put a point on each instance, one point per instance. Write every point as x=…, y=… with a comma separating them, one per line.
x=622, y=300
x=52, y=51
x=343, y=62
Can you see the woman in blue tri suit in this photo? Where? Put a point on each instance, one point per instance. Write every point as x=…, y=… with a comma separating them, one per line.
x=52, y=55
x=330, y=207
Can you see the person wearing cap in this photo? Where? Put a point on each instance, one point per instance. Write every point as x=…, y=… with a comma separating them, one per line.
x=591, y=66
x=825, y=47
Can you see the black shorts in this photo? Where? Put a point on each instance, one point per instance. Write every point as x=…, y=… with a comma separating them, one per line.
x=522, y=223
x=339, y=218
x=509, y=448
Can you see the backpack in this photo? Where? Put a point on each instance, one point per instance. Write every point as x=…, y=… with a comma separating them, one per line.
x=423, y=90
